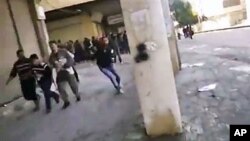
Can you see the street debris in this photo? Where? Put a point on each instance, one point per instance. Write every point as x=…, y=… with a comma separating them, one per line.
x=245, y=69
x=243, y=78
x=208, y=87
x=134, y=136
x=192, y=65
x=217, y=49
x=7, y=112
x=197, y=46
x=233, y=90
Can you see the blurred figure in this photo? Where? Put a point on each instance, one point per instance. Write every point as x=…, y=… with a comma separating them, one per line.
x=104, y=62
x=184, y=30
x=113, y=41
x=23, y=68
x=126, y=44
x=190, y=32
x=79, y=52
x=179, y=35
x=71, y=51
x=70, y=46
x=59, y=43
x=44, y=78
x=94, y=41
x=87, y=45
x=61, y=60
x=121, y=43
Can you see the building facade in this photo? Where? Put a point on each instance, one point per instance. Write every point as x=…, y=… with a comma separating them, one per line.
x=220, y=13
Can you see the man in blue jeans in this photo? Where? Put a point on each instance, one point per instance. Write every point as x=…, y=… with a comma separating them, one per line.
x=104, y=62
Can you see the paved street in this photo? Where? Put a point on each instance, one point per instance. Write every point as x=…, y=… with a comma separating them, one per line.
x=219, y=60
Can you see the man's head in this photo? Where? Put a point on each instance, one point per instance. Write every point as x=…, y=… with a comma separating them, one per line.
x=20, y=54
x=34, y=59
x=53, y=46
x=106, y=40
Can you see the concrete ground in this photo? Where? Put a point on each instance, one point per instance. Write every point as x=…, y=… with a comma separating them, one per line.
x=219, y=60
x=100, y=116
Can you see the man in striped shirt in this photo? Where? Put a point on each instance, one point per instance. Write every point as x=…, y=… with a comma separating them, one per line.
x=22, y=68
x=44, y=78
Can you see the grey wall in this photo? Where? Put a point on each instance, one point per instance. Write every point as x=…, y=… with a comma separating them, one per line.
x=9, y=43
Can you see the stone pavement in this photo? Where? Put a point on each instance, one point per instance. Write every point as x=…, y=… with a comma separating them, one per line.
x=101, y=116
x=207, y=114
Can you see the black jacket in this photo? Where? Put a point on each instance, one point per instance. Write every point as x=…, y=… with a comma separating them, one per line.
x=44, y=71
x=103, y=57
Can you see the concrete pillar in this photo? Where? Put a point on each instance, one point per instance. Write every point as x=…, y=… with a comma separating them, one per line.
x=40, y=28
x=248, y=10
x=144, y=21
x=174, y=52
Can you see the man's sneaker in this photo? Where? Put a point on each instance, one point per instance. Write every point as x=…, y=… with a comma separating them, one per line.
x=65, y=105
x=48, y=111
x=78, y=98
x=121, y=91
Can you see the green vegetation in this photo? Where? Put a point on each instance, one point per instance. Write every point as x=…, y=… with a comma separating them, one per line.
x=183, y=13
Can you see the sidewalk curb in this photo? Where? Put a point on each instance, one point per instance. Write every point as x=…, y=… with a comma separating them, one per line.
x=245, y=26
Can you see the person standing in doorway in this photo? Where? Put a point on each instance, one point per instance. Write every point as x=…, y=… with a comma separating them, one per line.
x=44, y=78
x=125, y=38
x=79, y=55
x=104, y=62
x=113, y=41
x=63, y=63
x=22, y=67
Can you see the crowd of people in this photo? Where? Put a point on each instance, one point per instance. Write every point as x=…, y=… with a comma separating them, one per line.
x=84, y=51
x=32, y=70
x=187, y=32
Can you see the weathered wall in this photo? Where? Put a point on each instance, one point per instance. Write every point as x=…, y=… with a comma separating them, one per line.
x=57, y=4
x=144, y=21
x=25, y=26
x=223, y=21
x=9, y=43
x=74, y=28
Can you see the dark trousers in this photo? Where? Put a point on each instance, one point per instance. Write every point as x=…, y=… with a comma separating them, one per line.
x=110, y=72
x=48, y=94
x=76, y=74
x=28, y=87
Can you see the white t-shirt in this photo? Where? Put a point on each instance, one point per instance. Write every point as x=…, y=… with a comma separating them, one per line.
x=64, y=60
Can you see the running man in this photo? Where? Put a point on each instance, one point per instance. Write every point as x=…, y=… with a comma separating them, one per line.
x=104, y=62
x=44, y=78
x=22, y=67
x=61, y=60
